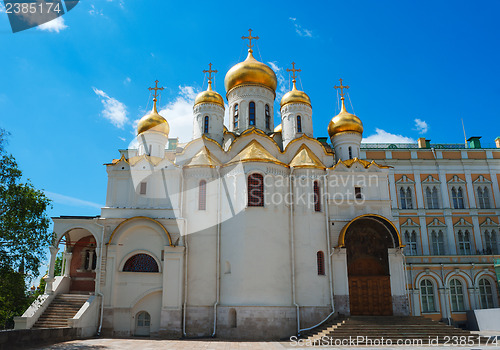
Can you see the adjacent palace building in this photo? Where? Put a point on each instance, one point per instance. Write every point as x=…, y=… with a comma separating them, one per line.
x=253, y=230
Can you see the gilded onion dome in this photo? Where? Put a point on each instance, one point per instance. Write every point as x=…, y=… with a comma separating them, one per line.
x=295, y=96
x=279, y=128
x=344, y=122
x=153, y=122
x=250, y=72
x=209, y=96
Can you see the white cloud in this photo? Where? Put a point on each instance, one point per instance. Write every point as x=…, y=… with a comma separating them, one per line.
x=127, y=81
x=421, y=126
x=2, y=8
x=95, y=12
x=283, y=87
x=76, y=202
x=179, y=114
x=56, y=25
x=301, y=30
x=114, y=110
x=382, y=136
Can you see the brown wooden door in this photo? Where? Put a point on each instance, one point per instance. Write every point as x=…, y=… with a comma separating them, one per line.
x=370, y=295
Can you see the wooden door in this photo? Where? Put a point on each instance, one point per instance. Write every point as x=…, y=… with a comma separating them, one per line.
x=142, y=324
x=370, y=295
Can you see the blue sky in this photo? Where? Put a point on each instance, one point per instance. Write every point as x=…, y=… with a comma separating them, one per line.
x=71, y=90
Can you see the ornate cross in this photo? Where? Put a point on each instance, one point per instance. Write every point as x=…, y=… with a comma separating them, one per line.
x=156, y=88
x=293, y=70
x=250, y=37
x=341, y=87
x=210, y=71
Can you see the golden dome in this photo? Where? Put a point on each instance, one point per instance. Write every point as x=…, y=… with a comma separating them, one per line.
x=251, y=72
x=279, y=128
x=345, y=122
x=295, y=96
x=209, y=96
x=153, y=122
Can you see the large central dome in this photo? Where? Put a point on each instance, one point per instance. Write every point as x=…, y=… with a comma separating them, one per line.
x=250, y=72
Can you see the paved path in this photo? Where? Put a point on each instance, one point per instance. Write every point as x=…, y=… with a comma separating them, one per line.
x=147, y=344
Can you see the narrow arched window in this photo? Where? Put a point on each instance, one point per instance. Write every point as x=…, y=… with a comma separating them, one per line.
x=350, y=152
x=268, y=117
x=409, y=202
x=320, y=259
x=235, y=116
x=411, y=242
x=460, y=198
x=432, y=197
x=299, y=123
x=437, y=241
x=141, y=263
x=205, y=125
x=402, y=196
x=457, y=295
x=483, y=198
x=202, y=195
x=485, y=294
x=255, y=190
x=427, y=295
x=317, y=196
x=490, y=242
x=464, y=244
x=251, y=114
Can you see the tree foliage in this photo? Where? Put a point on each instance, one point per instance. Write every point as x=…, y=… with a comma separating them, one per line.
x=24, y=223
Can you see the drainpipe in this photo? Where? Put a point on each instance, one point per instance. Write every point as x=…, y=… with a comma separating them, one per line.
x=217, y=283
x=292, y=249
x=186, y=246
x=99, y=279
x=329, y=247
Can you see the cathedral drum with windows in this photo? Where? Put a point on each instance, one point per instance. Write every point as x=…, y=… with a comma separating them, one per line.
x=258, y=232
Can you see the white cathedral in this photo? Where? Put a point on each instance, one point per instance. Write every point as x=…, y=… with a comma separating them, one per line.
x=255, y=231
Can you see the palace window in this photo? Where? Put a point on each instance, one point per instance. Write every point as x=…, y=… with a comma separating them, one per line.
x=202, y=195
x=350, y=152
x=427, y=295
x=464, y=245
x=486, y=294
x=456, y=295
x=437, y=241
x=143, y=319
x=431, y=196
x=141, y=263
x=406, y=198
x=143, y=188
x=490, y=242
x=255, y=190
x=299, y=124
x=483, y=197
x=205, y=125
x=411, y=242
x=357, y=192
x=251, y=114
x=457, y=196
x=268, y=118
x=320, y=259
x=90, y=260
x=317, y=196
x=235, y=116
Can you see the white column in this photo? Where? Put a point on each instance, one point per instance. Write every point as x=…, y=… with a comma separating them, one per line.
x=444, y=190
x=470, y=190
x=496, y=190
x=340, y=281
x=398, y=288
x=67, y=266
x=418, y=190
x=416, y=302
x=50, y=278
x=393, y=190
x=426, y=249
x=450, y=236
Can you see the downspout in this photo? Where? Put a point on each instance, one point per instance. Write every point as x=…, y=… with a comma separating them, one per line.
x=447, y=303
x=329, y=247
x=292, y=248
x=185, y=240
x=99, y=278
x=217, y=283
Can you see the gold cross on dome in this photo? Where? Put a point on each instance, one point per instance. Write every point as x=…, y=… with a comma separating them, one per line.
x=250, y=37
x=156, y=88
x=293, y=70
x=341, y=87
x=210, y=71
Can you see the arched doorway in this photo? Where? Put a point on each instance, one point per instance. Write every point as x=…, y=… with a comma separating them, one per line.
x=83, y=262
x=367, y=240
x=142, y=324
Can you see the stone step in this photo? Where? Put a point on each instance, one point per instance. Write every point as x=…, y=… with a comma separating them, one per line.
x=60, y=310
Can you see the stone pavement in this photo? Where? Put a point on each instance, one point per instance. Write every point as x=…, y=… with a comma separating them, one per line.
x=207, y=344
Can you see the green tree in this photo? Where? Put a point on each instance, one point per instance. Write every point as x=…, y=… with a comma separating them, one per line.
x=24, y=235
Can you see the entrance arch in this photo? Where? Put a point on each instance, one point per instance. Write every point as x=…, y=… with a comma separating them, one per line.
x=367, y=239
x=142, y=324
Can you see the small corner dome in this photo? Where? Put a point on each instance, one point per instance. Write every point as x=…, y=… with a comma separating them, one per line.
x=279, y=128
x=250, y=72
x=153, y=122
x=209, y=96
x=345, y=122
x=295, y=96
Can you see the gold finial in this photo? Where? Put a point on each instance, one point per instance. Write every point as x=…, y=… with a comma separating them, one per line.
x=250, y=37
x=294, y=76
x=156, y=88
x=210, y=71
x=341, y=87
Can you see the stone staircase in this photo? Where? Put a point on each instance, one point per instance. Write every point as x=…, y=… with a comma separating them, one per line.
x=62, y=308
x=391, y=328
